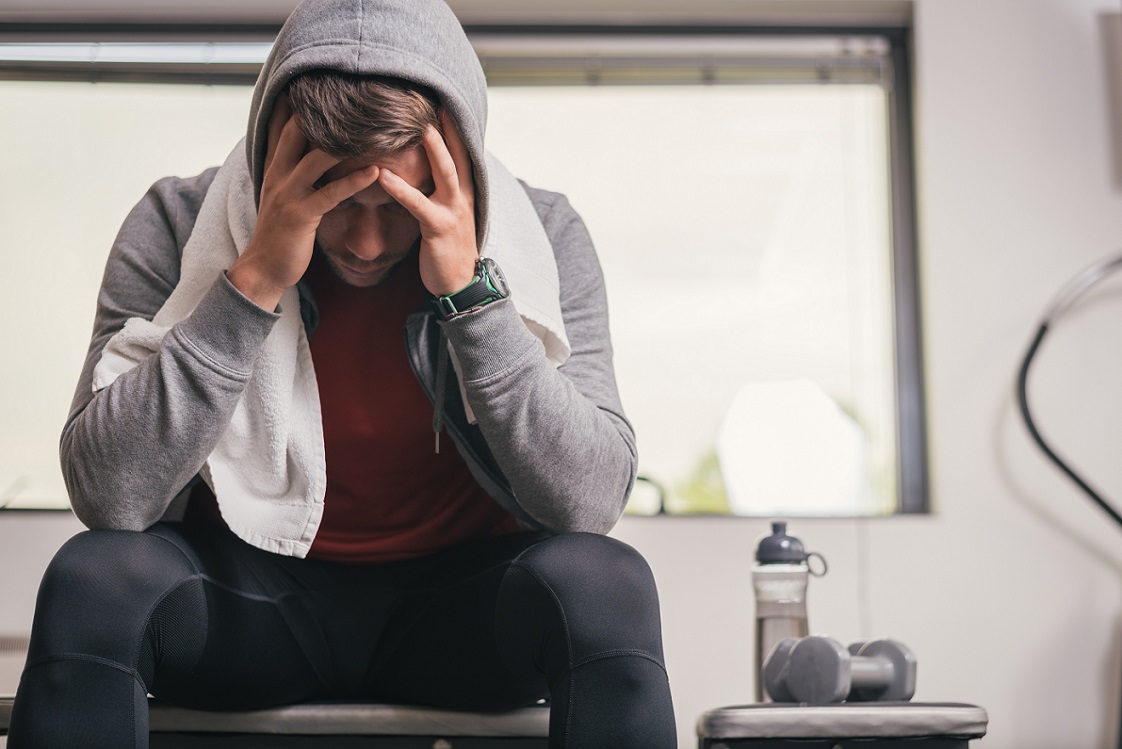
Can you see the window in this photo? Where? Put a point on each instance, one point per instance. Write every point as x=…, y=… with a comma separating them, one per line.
x=749, y=197
x=749, y=194
x=79, y=154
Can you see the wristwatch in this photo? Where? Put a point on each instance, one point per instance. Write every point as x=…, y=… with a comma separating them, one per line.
x=487, y=286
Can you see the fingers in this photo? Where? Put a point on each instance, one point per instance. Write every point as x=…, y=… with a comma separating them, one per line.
x=289, y=150
x=446, y=217
x=293, y=167
x=451, y=174
x=280, y=115
x=311, y=167
x=412, y=199
x=444, y=172
x=290, y=146
x=454, y=197
x=449, y=159
x=336, y=191
x=277, y=119
x=459, y=152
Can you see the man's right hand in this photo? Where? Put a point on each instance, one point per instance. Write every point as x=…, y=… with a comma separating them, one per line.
x=290, y=210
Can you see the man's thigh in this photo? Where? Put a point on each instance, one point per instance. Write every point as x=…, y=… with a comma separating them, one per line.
x=278, y=629
x=440, y=648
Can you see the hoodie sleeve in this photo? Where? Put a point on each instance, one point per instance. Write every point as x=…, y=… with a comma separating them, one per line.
x=558, y=433
x=129, y=449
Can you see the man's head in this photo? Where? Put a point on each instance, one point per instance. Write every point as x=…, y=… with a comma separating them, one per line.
x=416, y=40
x=366, y=120
x=355, y=116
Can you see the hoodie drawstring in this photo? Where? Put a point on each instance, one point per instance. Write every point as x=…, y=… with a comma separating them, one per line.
x=441, y=384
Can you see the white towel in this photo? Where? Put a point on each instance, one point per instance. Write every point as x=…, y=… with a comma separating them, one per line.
x=268, y=470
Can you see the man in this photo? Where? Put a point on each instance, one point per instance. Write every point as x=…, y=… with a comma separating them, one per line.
x=253, y=445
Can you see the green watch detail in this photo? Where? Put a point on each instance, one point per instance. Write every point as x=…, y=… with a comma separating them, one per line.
x=488, y=285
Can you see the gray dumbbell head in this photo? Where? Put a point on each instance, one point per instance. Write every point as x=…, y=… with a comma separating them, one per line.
x=898, y=682
x=819, y=671
x=775, y=670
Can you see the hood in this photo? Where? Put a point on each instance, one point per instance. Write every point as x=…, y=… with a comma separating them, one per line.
x=415, y=40
x=422, y=41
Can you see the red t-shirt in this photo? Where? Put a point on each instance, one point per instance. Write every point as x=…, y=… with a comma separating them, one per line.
x=389, y=495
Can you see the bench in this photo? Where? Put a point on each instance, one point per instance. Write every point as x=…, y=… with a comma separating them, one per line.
x=851, y=725
x=340, y=726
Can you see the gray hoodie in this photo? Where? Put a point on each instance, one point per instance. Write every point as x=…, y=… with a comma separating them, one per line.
x=551, y=444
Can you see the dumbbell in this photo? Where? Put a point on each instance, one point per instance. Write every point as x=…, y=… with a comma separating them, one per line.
x=818, y=670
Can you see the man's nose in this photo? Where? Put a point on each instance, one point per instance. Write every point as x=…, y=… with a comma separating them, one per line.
x=366, y=237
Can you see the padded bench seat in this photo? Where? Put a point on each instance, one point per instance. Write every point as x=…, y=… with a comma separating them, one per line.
x=341, y=725
x=852, y=725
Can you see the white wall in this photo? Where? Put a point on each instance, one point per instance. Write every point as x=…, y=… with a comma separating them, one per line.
x=1011, y=592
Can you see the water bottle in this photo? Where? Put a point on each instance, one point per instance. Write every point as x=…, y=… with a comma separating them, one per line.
x=779, y=578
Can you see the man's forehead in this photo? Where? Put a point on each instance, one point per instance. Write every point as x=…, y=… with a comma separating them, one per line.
x=411, y=165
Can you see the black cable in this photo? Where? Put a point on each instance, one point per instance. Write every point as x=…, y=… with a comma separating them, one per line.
x=1022, y=396
x=1073, y=291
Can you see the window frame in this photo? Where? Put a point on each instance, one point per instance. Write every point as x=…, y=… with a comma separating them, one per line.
x=911, y=421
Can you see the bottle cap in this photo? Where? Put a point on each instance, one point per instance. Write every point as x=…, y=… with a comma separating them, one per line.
x=779, y=548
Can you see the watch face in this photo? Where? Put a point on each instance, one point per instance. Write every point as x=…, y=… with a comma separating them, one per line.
x=498, y=280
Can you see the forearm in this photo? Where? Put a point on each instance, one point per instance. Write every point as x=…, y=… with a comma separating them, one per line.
x=558, y=433
x=127, y=450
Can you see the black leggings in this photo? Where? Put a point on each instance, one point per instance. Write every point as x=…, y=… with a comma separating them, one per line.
x=198, y=618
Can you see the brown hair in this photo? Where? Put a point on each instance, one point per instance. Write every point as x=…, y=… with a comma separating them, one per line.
x=350, y=116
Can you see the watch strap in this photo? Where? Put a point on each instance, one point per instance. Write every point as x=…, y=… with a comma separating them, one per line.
x=481, y=291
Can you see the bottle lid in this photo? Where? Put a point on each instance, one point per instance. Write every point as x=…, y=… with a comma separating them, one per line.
x=779, y=548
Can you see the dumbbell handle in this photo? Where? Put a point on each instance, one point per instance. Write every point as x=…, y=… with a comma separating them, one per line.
x=870, y=672
x=894, y=666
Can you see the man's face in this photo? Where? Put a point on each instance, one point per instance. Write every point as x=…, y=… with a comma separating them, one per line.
x=365, y=236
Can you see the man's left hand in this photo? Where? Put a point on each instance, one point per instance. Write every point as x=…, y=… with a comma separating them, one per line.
x=447, y=217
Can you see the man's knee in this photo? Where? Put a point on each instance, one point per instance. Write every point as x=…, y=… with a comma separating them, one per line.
x=602, y=588
x=589, y=563
x=113, y=563
x=103, y=580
